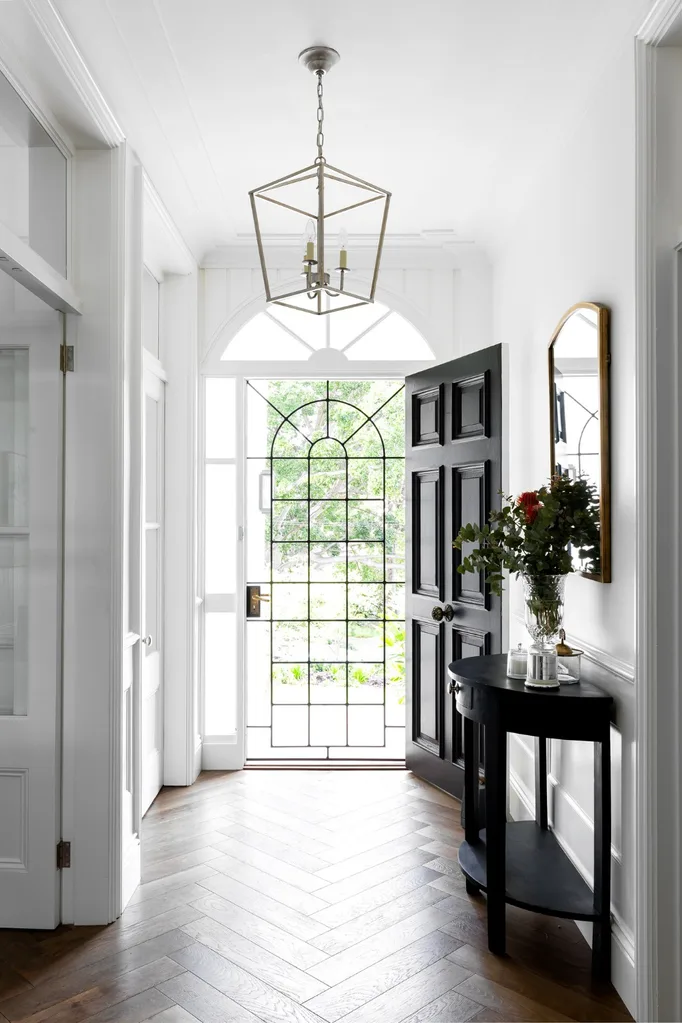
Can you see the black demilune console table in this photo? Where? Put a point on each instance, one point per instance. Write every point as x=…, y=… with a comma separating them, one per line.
x=521, y=862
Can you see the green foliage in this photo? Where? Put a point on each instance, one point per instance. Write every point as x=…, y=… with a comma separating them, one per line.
x=534, y=535
x=328, y=463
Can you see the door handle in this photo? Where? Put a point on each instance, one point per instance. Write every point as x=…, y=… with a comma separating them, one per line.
x=254, y=599
x=147, y=640
x=440, y=613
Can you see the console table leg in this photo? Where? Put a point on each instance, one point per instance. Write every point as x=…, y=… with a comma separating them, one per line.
x=496, y=819
x=541, y=782
x=471, y=827
x=601, y=934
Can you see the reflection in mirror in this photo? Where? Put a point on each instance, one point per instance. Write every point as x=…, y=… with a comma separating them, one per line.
x=578, y=368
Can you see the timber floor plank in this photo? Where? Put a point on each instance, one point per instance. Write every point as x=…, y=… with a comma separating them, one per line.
x=259, y=961
x=302, y=897
x=385, y=975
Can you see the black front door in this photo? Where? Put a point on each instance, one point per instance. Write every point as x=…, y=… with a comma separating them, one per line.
x=454, y=474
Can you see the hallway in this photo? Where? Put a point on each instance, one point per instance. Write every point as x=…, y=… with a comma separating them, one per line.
x=301, y=896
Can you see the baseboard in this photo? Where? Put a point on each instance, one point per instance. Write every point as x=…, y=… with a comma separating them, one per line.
x=623, y=971
x=221, y=754
x=131, y=870
x=623, y=968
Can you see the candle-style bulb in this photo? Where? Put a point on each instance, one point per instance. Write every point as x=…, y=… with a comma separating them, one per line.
x=343, y=249
x=309, y=237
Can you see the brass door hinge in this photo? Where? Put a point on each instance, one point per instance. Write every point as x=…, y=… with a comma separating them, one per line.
x=66, y=358
x=63, y=855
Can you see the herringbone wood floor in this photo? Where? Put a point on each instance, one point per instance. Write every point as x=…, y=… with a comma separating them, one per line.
x=305, y=897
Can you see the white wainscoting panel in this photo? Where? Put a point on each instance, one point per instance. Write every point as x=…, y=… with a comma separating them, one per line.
x=14, y=817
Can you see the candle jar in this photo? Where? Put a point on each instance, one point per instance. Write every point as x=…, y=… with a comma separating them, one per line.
x=542, y=667
x=517, y=662
x=568, y=668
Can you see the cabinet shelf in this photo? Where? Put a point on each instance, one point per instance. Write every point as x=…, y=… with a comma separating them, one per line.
x=539, y=875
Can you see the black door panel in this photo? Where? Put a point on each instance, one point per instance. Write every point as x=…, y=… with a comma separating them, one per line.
x=454, y=474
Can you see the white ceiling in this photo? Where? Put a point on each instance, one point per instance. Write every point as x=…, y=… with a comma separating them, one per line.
x=449, y=104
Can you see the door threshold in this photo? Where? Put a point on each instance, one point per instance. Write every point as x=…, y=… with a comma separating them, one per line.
x=325, y=765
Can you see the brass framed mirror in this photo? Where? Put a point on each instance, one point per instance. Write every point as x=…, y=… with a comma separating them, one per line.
x=579, y=361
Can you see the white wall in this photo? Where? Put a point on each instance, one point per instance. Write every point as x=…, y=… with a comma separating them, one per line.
x=575, y=241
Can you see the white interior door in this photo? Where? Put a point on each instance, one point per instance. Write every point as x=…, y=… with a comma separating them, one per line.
x=151, y=759
x=30, y=634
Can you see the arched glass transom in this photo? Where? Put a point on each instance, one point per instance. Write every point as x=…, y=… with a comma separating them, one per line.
x=370, y=332
x=326, y=542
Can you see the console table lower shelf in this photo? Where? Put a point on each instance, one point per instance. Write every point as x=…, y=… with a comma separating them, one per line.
x=521, y=862
x=539, y=875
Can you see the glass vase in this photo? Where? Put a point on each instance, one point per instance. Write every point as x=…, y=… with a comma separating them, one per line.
x=544, y=596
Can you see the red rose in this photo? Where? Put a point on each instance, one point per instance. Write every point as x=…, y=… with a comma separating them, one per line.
x=531, y=505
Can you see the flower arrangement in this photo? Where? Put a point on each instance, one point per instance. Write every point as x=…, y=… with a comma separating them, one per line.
x=535, y=534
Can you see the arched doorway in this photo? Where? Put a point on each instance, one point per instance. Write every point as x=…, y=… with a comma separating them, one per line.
x=304, y=478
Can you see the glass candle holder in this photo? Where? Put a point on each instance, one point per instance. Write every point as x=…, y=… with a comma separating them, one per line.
x=568, y=667
x=542, y=667
x=517, y=662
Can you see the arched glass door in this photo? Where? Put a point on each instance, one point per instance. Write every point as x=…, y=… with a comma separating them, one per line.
x=325, y=569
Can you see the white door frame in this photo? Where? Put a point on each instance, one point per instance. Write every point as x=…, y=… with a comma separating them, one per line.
x=154, y=374
x=658, y=519
x=221, y=752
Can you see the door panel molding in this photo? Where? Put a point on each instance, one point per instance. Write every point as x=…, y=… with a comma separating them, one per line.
x=471, y=407
x=432, y=743
x=436, y=589
x=464, y=588
x=428, y=425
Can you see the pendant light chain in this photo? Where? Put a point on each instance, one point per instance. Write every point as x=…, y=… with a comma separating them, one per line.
x=320, y=119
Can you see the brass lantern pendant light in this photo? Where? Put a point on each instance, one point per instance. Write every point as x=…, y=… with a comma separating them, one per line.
x=316, y=203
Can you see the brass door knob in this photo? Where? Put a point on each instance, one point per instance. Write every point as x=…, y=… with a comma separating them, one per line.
x=439, y=613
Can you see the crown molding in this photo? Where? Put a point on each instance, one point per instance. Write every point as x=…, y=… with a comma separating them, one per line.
x=165, y=250
x=57, y=36
x=659, y=21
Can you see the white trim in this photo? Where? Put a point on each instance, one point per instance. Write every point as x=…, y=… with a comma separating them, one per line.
x=165, y=250
x=118, y=330
x=645, y=518
x=152, y=365
x=28, y=89
x=222, y=753
x=26, y=267
x=60, y=41
x=657, y=515
x=659, y=21
x=178, y=349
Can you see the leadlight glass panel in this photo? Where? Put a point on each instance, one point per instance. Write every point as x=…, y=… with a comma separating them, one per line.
x=333, y=538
